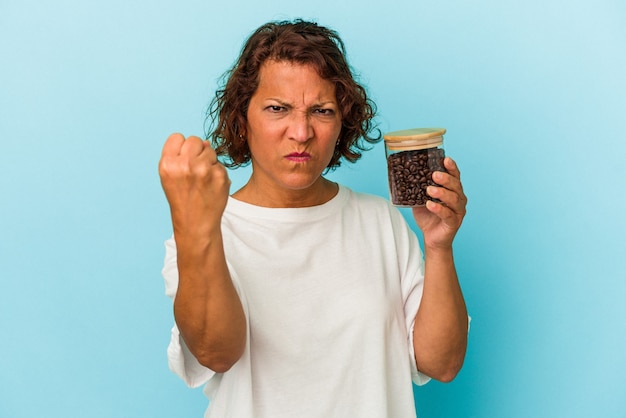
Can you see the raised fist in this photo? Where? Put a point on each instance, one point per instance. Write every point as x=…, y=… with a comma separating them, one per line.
x=195, y=183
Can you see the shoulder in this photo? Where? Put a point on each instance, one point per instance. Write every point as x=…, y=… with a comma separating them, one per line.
x=363, y=198
x=366, y=201
x=377, y=209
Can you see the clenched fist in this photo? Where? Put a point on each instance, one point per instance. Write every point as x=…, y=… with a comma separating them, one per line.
x=195, y=183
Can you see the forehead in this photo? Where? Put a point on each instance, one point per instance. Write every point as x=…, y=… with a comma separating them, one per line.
x=289, y=78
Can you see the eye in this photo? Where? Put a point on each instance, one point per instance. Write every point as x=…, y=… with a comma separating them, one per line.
x=324, y=111
x=275, y=108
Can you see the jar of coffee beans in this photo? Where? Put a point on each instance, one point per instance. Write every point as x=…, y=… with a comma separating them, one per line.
x=412, y=157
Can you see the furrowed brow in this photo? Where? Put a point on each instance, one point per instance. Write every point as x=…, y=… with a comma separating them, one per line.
x=326, y=103
x=281, y=102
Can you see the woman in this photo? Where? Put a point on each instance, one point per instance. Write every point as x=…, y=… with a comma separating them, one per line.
x=295, y=296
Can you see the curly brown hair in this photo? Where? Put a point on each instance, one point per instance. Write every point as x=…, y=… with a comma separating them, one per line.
x=299, y=42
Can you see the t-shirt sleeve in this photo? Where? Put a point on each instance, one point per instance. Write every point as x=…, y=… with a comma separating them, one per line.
x=411, y=264
x=180, y=359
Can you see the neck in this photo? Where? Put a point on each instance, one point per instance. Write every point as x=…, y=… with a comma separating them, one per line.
x=317, y=194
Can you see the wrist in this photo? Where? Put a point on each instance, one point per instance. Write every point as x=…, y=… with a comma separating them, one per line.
x=438, y=251
x=196, y=240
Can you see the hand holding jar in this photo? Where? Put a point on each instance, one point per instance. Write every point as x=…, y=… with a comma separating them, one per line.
x=422, y=178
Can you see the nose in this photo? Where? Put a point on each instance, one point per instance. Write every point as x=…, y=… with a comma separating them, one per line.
x=300, y=128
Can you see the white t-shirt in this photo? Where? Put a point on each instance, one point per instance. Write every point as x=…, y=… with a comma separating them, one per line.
x=330, y=294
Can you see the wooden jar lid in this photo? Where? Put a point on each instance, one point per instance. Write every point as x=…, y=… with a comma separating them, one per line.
x=416, y=138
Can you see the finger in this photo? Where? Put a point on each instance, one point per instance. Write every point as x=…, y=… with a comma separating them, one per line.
x=450, y=165
x=448, y=181
x=443, y=212
x=173, y=144
x=208, y=152
x=192, y=146
x=448, y=216
x=452, y=199
x=204, y=150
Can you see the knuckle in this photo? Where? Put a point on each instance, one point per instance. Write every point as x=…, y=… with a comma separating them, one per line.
x=165, y=166
x=221, y=174
x=176, y=136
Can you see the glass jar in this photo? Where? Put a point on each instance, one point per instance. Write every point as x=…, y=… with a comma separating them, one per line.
x=412, y=157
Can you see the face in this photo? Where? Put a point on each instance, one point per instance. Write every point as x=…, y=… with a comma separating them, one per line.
x=293, y=123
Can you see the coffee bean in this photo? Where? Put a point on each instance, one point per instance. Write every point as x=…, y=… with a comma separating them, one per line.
x=410, y=173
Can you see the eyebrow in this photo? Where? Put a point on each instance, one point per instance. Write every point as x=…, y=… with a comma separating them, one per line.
x=319, y=104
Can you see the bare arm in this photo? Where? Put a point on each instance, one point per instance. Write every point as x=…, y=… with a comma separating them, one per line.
x=440, y=332
x=207, y=308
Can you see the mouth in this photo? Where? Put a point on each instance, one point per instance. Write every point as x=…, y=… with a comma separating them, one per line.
x=298, y=156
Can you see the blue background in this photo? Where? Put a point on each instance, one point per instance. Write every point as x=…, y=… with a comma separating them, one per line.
x=532, y=92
